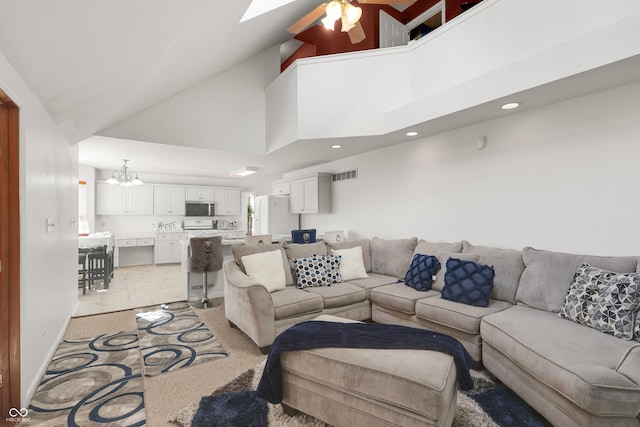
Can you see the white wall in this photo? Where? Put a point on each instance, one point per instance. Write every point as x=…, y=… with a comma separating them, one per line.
x=494, y=50
x=228, y=110
x=48, y=189
x=563, y=177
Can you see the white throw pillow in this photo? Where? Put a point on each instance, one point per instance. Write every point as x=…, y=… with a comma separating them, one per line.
x=351, y=263
x=266, y=268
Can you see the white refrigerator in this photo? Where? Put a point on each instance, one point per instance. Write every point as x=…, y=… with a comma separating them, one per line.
x=272, y=216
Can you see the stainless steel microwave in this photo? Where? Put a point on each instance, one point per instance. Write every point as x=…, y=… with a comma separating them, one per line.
x=200, y=209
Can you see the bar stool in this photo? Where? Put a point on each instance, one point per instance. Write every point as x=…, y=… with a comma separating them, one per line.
x=303, y=236
x=257, y=240
x=206, y=256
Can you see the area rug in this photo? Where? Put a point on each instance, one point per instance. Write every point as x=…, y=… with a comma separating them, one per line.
x=487, y=405
x=172, y=336
x=91, y=381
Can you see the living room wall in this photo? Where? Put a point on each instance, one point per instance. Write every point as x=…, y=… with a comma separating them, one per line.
x=562, y=177
x=48, y=189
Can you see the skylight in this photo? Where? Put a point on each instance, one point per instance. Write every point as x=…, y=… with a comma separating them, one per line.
x=259, y=7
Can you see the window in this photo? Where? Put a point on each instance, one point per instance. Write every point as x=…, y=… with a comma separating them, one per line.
x=83, y=222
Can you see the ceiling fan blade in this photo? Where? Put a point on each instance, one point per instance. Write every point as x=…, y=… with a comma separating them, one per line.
x=407, y=2
x=308, y=19
x=356, y=34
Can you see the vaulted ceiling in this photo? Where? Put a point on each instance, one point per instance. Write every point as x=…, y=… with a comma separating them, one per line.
x=96, y=63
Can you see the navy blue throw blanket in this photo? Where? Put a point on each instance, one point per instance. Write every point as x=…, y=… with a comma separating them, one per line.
x=317, y=334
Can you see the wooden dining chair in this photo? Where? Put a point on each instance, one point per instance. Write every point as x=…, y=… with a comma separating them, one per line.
x=257, y=240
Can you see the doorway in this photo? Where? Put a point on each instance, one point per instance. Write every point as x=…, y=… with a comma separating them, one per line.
x=9, y=257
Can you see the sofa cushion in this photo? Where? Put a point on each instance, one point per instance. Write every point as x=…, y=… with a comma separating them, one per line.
x=293, y=302
x=547, y=275
x=266, y=269
x=239, y=251
x=351, y=263
x=399, y=297
x=373, y=281
x=364, y=244
x=576, y=361
x=310, y=272
x=468, y=282
x=508, y=265
x=340, y=295
x=443, y=257
x=465, y=318
x=430, y=248
x=603, y=300
x=421, y=272
x=392, y=257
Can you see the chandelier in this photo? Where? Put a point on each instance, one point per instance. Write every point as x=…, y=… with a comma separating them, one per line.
x=337, y=9
x=124, y=176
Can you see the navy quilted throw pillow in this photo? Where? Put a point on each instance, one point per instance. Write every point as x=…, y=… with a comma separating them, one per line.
x=468, y=282
x=421, y=271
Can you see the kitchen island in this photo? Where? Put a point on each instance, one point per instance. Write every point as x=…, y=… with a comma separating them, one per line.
x=192, y=282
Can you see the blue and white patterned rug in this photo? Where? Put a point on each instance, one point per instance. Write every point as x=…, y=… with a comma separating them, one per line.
x=172, y=336
x=92, y=381
x=98, y=381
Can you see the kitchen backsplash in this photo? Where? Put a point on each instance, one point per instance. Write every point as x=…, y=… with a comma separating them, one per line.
x=144, y=223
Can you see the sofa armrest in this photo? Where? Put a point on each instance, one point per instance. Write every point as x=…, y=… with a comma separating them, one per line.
x=248, y=305
x=629, y=365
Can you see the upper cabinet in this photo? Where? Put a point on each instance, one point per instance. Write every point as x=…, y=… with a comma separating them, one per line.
x=169, y=200
x=119, y=200
x=311, y=194
x=280, y=188
x=200, y=194
x=227, y=201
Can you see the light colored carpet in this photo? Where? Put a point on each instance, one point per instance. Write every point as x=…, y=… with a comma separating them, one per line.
x=133, y=287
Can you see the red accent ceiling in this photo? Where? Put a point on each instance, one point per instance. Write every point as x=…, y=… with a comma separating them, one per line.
x=319, y=41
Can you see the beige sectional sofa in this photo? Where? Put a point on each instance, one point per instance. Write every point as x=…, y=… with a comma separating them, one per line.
x=572, y=374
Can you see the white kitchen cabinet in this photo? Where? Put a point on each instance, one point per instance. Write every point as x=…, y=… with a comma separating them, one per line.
x=169, y=200
x=200, y=194
x=280, y=188
x=311, y=194
x=120, y=200
x=167, y=247
x=227, y=201
x=133, y=251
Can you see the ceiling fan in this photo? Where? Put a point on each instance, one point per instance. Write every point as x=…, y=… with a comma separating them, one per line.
x=343, y=10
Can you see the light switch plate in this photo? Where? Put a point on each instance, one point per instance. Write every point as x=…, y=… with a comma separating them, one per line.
x=50, y=225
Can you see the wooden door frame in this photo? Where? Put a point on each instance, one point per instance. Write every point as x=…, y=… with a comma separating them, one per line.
x=9, y=255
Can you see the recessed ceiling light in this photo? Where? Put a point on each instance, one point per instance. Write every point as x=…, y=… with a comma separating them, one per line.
x=412, y=133
x=510, y=106
x=336, y=146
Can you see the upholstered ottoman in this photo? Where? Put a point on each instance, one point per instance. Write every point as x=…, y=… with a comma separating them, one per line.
x=369, y=387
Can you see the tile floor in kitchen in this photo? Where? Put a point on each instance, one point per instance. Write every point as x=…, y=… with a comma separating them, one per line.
x=132, y=287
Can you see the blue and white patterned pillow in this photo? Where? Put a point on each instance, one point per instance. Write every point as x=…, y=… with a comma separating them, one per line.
x=604, y=300
x=311, y=272
x=468, y=282
x=332, y=267
x=421, y=272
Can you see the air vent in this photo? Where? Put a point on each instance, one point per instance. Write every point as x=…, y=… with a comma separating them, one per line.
x=341, y=176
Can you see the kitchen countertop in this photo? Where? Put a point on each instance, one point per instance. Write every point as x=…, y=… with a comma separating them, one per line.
x=136, y=235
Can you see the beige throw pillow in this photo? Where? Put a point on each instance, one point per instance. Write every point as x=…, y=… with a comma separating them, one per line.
x=266, y=268
x=351, y=263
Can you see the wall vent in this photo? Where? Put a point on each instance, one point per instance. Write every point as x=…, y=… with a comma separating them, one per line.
x=341, y=176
